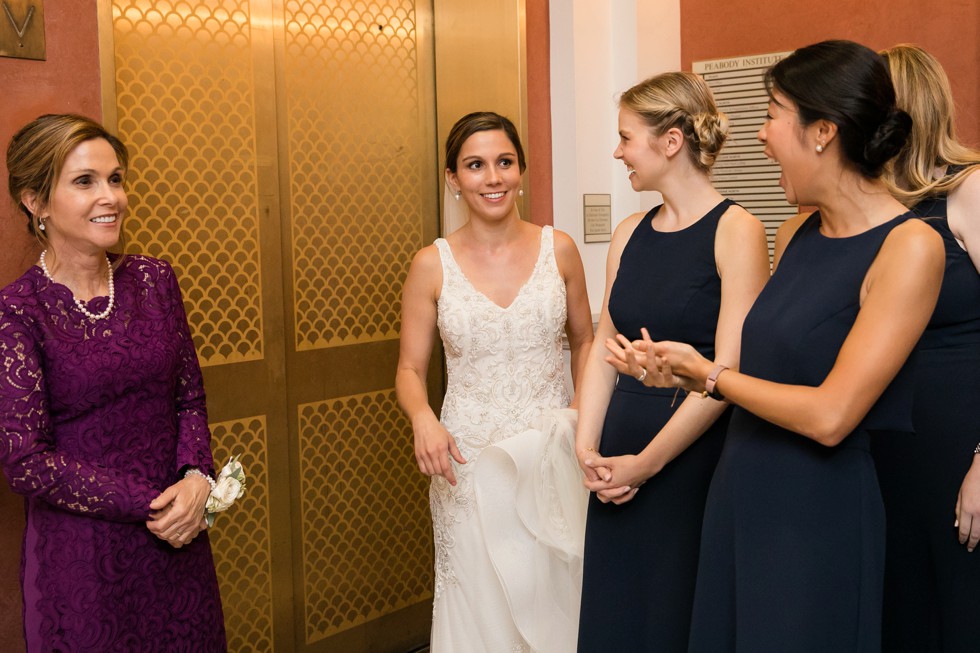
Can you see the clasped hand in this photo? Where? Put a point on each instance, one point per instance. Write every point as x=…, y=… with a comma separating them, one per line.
x=178, y=512
x=663, y=364
x=615, y=479
x=667, y=364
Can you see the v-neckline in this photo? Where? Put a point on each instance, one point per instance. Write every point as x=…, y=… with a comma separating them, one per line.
x=520, y=291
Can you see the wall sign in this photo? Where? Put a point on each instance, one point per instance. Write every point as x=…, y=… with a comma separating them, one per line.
x=742, y=172
x=22, y=29
x=597, y=213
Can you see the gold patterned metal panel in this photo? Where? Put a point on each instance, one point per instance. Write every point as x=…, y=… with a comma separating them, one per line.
x=242, y=539
x=482, y=41
x=185, y=103
x=367, y=534
x=355, y=184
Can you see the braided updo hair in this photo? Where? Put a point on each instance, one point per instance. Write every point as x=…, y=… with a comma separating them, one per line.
x=847, y=84
x=682, y=100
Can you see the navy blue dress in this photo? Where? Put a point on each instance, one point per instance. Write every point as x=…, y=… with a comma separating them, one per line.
x=792, y=552
x=641, y=557
x=932, y=583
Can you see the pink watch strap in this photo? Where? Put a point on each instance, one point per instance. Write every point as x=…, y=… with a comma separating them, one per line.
x=709, y=383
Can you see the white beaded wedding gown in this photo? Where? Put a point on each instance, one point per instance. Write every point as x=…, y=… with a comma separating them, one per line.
x=508, y=537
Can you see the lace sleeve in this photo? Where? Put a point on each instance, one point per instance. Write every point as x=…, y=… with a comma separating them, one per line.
x=193, y=434
x=30, y=460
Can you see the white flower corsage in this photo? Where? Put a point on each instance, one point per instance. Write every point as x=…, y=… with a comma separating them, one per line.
x=229, y=486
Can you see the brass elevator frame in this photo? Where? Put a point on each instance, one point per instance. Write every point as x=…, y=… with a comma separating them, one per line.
x=331, y=549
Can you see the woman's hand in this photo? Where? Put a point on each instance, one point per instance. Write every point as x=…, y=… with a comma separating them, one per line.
x=677, y=364
x=178, y=538
x=641, y=360
x=968, y=507
x=592, y=474
x=620, y=477
x=434, y=446
x=178, y=512
x=617, y=496
x=625, y=358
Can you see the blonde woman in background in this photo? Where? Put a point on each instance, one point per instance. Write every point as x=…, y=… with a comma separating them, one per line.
x=688, y=269
x=930, y=480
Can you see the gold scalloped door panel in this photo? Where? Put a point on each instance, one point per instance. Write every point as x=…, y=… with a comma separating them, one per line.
x=355, y=147
x=242, y=537
x=185, y=104
x=283, y=159
x=364, y=529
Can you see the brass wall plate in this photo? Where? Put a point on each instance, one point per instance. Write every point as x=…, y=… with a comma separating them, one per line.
x=22, y=29
x=597, y=214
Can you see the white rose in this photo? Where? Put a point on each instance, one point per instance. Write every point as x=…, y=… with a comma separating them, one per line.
x=232, y=468
x=224, y=494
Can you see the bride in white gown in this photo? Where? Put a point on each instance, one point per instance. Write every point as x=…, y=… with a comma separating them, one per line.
x=508, y=505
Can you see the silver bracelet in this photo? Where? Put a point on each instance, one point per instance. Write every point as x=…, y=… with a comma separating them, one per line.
x=194, y=471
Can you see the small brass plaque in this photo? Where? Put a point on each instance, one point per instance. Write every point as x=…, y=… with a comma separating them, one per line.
x=22, y=29
x=597, y=211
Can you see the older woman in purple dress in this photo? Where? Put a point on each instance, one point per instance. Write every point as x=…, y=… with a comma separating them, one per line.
x=103, y=426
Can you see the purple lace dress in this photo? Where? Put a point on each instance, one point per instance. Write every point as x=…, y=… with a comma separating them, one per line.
x=96, y=419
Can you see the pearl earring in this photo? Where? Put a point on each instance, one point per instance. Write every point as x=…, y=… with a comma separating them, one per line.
x=520, y=191
x=40, y=224
x=456, y=195
x=819, y=148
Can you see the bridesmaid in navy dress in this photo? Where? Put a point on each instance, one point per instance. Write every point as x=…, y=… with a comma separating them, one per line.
x=103, y=426
x=930, y=481
x=792, y=550
x=688, y=269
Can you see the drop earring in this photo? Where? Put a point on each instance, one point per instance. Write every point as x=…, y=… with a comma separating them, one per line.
x=40, y=224
x=456, y=195
x=520, y=191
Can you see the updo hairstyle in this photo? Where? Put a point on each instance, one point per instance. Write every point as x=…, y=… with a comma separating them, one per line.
x=847, y=84
x=37, y=153
x=682, y=100
x=481, y=121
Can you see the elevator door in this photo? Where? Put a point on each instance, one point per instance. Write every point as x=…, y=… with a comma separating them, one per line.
x=283, y=159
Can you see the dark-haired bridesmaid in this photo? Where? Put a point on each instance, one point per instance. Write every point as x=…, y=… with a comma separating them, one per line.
x=792, y=548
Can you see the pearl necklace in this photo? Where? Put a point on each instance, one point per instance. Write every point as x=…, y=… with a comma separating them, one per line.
x=79, y=303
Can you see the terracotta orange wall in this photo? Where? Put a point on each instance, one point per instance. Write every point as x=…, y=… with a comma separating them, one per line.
x=950, y=30
x=539, y=110
x=68, y=81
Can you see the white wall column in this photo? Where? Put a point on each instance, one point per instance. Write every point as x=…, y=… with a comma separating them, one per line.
x=598, y=50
